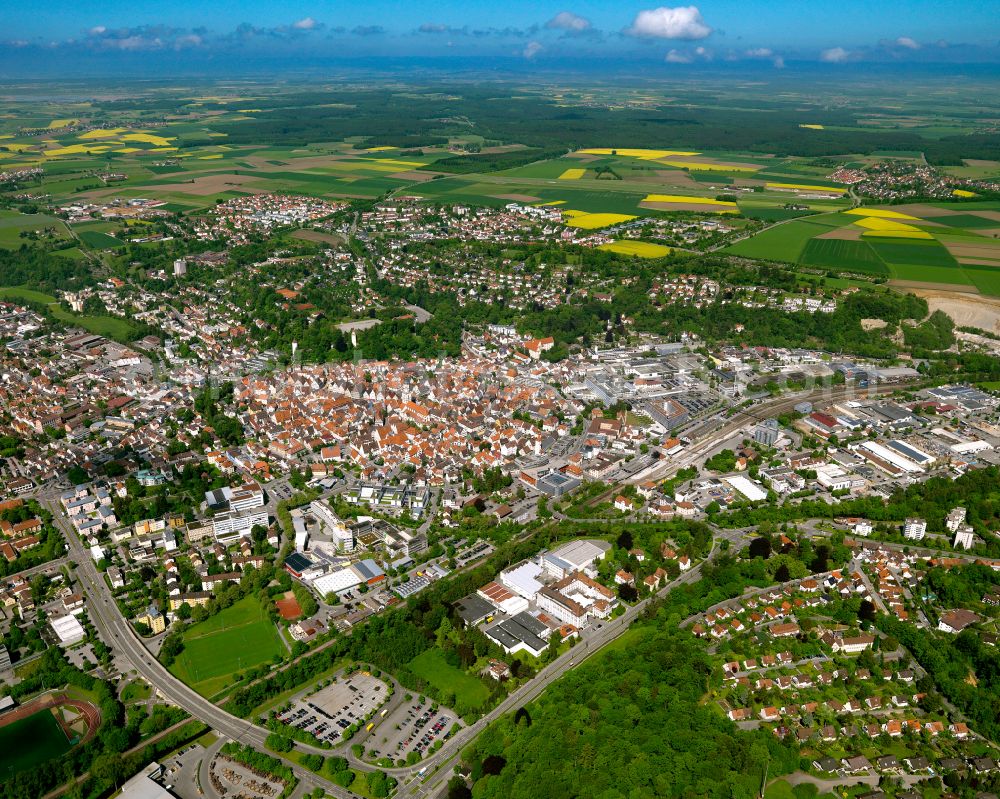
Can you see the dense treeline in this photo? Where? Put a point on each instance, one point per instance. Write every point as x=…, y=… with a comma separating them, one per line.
x=37, y=268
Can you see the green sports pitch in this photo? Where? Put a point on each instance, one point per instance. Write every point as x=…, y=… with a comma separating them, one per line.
x=237, y=638
x=47, y=742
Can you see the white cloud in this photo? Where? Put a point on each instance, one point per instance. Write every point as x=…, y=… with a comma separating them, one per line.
x=677, y=57
x=304, y=24
x=779, y=62
x=189, y=40
x=908, y=43
x=683, y=22
x=835, y=55
x=568, y=21
x=531, y=49
x=97, y=30
x=760, y=52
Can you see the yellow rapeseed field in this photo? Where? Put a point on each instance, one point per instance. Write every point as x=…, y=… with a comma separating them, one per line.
x=402, y=164
x=632, y=152
x=76, y=149
x=879, y=213
x=702, y=166
x=102, y=133
x=878, y=226
x=149, y=138
x=641, y=249
x=898, y=234
x=573, y=174
x=593, y=221
x=963, y=193
x=682, y=198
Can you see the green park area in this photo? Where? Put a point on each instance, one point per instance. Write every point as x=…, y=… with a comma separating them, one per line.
x=235, y=639
x=110, y=326
x=432, y=667
x=46, y=738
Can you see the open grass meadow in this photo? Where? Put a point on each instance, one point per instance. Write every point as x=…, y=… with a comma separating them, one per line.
x=432, y=667
x=235, y=639
x=783, y=242
x=843, y=255
x=984, y=278
x=28, y=742
x=99, y=240
x=13, y=224
x=110, y=326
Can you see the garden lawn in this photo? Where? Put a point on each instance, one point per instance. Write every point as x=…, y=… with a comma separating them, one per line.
x=238, y=638
x=432, y=667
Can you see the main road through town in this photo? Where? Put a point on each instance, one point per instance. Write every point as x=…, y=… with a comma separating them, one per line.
x=426, y=778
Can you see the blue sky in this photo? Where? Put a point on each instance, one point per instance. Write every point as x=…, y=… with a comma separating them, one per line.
x=66, y=32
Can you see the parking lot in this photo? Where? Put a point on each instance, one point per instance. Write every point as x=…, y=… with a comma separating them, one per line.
x=334, y=708
x=419, y=728
x=180, y=771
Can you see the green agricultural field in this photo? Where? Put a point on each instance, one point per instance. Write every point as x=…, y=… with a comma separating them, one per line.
x=99, y=240
x=235, y=639
x=45, y=736
x=783, y=242
x=12, y=224
x=930, y=274
x=432, y=667
x=984, y=278
x=769, y=213
x=844, y=256
x=966, y=221
x=914, y=252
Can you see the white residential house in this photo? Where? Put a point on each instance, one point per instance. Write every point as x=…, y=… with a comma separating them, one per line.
x=955, y=519
x=964, y=538
x=915, y=529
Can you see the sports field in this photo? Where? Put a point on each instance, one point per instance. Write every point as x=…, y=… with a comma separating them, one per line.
x=45, y=735
x=432, y=667
x=237, y=638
